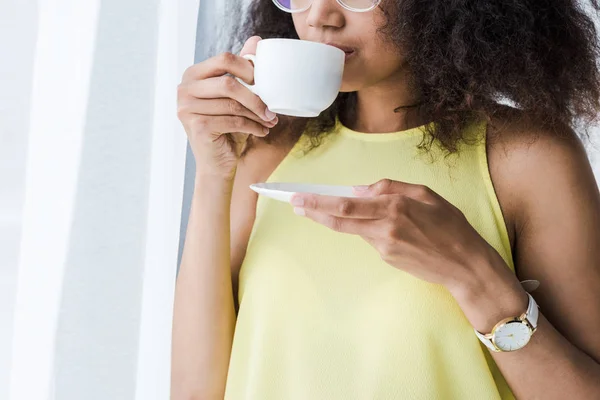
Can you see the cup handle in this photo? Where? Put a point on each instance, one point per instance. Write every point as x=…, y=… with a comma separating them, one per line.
x=252, y=88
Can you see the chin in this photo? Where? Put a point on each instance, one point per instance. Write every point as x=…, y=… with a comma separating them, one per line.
x=348, y=86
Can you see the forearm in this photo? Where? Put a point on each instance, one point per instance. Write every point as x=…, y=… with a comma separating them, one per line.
x=204, y=315
x=549, y=366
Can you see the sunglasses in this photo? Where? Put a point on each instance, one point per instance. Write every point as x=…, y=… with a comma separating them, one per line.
x=294, y=6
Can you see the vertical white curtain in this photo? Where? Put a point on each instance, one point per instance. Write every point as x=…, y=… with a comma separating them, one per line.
x=99, y=226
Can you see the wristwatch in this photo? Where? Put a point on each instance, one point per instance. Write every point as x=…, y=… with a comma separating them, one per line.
x=513, y=333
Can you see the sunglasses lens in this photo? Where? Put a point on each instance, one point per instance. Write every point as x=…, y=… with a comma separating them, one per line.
x=360, y=4
x=292, y=5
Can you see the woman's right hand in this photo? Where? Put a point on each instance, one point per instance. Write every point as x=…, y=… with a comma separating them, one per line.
x=219, y=113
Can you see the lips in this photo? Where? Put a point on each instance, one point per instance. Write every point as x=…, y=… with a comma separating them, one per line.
x=345, y=49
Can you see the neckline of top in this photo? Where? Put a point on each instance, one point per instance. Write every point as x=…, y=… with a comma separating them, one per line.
x=378, y=136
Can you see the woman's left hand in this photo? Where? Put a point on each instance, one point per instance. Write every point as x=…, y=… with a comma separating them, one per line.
x=412, y=227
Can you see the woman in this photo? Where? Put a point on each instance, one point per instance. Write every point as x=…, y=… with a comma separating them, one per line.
x=394, y=294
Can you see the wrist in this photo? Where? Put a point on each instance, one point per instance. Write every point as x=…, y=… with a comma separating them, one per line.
x=491, y=294
x=213, y=183
x=207, y=173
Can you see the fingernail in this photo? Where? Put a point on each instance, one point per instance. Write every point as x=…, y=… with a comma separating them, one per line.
x=299, y=211
x=266, y=131
x=269, y=114
x=361, y=188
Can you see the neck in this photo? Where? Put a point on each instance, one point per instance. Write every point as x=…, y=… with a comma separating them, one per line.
x=389, y=106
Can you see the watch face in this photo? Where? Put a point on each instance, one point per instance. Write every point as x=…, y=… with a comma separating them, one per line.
x=512, y=336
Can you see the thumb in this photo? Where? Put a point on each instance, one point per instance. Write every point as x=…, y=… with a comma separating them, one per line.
x=383, y=186
x=250, y=45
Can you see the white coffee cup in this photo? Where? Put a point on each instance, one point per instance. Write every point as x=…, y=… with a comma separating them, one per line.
x=296, y=77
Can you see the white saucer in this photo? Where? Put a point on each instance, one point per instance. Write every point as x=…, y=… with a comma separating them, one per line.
x=284, y=191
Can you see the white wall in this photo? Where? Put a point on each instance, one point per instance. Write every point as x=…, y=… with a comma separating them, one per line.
x=104, y=180
x=17, y=20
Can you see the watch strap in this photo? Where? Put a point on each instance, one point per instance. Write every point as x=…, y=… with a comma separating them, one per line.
x=488, y=343
x=532, y=312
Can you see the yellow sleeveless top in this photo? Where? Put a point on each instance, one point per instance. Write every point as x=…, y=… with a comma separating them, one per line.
x=322, y=316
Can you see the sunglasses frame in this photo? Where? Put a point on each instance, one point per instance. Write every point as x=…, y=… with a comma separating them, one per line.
x=340, y=2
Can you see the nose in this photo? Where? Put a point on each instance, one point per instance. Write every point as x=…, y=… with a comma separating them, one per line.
x=325, y=13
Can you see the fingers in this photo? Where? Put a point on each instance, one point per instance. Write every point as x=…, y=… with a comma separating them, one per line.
x=225, y=63
x=387, y=186
x=222, y=106
x=211, y=98
x=229, y=123
x=220, y=65
x=250, y=45
x=227, y=86
x=345, y=207
x=361, y=227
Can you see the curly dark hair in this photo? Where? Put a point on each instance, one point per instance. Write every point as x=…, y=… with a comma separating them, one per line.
x=465, y=55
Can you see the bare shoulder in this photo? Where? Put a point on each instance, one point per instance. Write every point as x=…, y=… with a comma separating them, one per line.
x=513, y=133
x=528, y=159
x=529, y=162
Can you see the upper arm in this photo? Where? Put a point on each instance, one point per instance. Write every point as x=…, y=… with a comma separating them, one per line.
x=242, y=211
x=557, y=225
